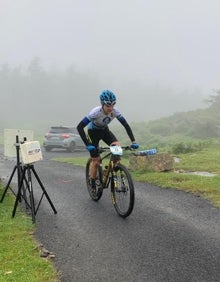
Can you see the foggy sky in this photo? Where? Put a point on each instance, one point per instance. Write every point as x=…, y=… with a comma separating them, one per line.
x=128, y=44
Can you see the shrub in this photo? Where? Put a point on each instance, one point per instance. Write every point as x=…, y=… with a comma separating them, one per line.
x=184, y=148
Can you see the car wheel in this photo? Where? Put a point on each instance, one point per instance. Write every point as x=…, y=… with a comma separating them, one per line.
x=72, y=147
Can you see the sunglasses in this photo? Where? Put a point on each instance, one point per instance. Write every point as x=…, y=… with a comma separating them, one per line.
x=109, y=104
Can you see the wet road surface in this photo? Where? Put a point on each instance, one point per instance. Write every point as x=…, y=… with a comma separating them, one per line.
x=170, y=236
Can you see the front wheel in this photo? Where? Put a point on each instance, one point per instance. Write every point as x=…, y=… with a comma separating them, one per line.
x=122, y=189
x=99, y=190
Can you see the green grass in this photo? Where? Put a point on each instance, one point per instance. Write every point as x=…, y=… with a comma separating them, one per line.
x=207, y=160
x=19, y=256
x=207, y=187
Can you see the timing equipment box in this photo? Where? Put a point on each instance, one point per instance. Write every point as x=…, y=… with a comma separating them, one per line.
x=31, y=152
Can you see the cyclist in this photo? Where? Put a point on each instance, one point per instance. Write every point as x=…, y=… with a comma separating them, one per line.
x=97, y=122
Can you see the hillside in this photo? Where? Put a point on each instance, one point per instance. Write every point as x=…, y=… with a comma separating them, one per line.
x=193, y=126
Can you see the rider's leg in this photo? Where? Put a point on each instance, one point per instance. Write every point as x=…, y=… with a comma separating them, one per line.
x=112, y=140
x=93, y=172
x=94, y=136
x=109, y=138
x=115, y=143
x=94, y=166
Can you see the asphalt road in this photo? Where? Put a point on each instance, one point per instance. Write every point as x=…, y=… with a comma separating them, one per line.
x=170, y=236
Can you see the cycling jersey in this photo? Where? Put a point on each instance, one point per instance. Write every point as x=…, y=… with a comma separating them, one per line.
x=97, y=119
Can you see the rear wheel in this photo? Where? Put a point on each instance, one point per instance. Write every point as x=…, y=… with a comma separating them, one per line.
x=99, y=190
x=122, y=189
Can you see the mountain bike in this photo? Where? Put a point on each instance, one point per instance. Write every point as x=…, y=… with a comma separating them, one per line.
x=116, y=176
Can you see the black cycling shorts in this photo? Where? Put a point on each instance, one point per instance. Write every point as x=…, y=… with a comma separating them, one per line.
x=95, y=135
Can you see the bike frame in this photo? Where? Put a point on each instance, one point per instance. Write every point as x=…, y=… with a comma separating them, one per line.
x=117, y=176
x=114, y=159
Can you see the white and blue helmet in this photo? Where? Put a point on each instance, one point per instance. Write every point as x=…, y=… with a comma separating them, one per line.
x=108, y=98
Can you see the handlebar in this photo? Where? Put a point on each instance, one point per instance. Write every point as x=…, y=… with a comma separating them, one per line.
x=103, y=149
x=138, y=153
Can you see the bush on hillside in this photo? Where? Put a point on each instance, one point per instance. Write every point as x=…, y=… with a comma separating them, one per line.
x=184, y=148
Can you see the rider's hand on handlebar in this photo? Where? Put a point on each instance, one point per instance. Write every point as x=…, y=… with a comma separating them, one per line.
x=134, y=146
x=90, y=147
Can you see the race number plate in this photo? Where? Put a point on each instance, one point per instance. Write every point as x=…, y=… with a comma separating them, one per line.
x=116, y=150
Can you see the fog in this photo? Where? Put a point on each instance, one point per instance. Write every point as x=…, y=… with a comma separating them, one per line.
x=159, y=57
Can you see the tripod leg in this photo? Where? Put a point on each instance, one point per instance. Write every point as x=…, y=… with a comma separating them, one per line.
x=19, y=173
x=19, y=193
x=30, y=186
x=8, y=184
x=44, y=191
x=24, y=191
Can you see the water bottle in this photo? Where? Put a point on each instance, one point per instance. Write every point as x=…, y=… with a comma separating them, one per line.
x=147, y=152
x=105, y=170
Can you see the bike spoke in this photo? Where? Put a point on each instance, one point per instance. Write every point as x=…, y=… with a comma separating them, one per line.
x=97, y=194
x=123, y=191
x=120, y=180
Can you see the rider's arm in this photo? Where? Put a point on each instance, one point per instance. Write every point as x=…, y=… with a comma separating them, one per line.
x=80, y=127
x=127, y=127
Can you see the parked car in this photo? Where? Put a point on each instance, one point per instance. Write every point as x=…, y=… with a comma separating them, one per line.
x=65, y=137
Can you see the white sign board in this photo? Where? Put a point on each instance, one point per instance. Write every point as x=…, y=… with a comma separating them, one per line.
x=31, y=152
x=10, y=140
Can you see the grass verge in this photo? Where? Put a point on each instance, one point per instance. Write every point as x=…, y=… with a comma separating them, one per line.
x=19, y=256
x=207, y=160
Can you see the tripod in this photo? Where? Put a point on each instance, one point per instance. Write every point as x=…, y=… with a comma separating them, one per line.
x=24, y=175
x=17, y=167
x=30, y=168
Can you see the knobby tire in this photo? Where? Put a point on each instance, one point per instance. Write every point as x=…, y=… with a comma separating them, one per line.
x=123, y=195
